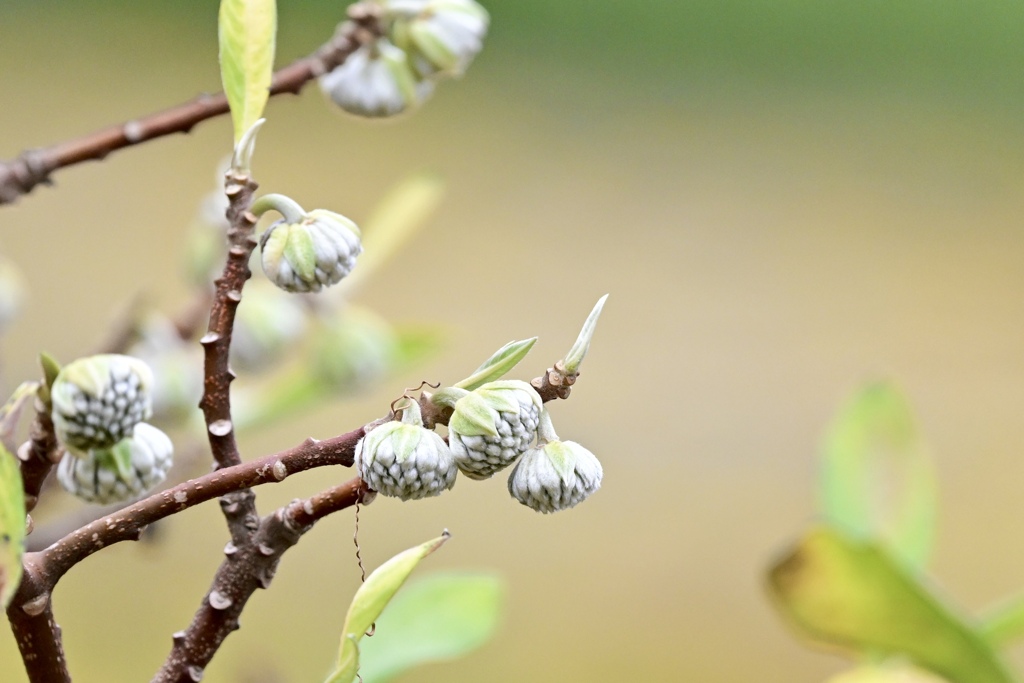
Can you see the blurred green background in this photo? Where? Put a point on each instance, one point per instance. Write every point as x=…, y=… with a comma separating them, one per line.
x=783, y=198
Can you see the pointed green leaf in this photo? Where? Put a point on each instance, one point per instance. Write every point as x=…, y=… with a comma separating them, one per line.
x=12, y=526
x=442, y=617
x=404, y=440
x=877, y=478
x=850, y=593
x=246, y=31
x=370, y=600
x=118, y=456
x=11, y=411
x=886, y=673
x=473, y=416
x=51, y=368
x=499, y=364
x=573, y=359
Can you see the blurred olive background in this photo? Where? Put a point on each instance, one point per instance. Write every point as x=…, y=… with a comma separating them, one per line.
x=784, y=198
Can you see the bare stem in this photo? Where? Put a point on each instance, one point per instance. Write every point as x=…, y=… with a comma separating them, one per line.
x=242, y=572
x=36, y=166
x=36, y=631
x=38, y=455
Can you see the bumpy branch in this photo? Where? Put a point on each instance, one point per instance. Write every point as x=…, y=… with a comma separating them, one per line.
x=243, y=571
x=38, y=455
x=36, y=631
x=34, y=167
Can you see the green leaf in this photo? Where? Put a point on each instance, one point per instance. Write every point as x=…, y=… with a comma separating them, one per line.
x=298, y=249
x=370, y=600
x=877, y=478
x=473, y=416
x=246, y=32
x=499, y=364
x=438, y=618
x=850, y=593
x=563, y=459
x=11, y=411
x=1005, y=623
x=12, y=526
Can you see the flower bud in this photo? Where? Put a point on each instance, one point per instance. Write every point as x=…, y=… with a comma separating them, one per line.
x=441, y=37
x=556, y=475
x=352, y=348
x=492, y=426
x=375, y=81
x=98, y=400
x=313, y=252
x=405, y=460
x=127, y=470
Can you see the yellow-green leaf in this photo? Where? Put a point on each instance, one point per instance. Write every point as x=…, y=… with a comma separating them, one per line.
x=246, y=31
x=11, y=411
x=12, y=525
x=369, y=602
x=438, y=618
x=877, y=478
x=850, y=593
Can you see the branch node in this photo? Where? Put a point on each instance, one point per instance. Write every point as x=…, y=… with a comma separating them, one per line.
x=219, y=601
x=195, y=673
x=230, y=549
x=178, y=637
x=265, y=550
x=209, y=338
x=36, y=605
x=280, y=471
x=221, y=427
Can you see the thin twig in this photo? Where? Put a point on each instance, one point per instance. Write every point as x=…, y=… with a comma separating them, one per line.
x=36, y=166
x=242, y=572
x=38, y=455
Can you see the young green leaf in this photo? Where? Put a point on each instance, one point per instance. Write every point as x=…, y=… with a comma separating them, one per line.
x=246, y=32
x=12, y=526
x=850, y=593
x=369, y=602
x=438, y=618
x=11, y=411
x=1004, y=624
x=877, y=478
x=498, y=365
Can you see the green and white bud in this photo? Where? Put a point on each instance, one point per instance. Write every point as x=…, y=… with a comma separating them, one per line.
x=403, y=459
x=556, y=475
x=441, y=37
x=127, y=470
x=352, y=348
x=376, y=81
x=491, y=426
x=98, y=400
x=306, y=251
x=177, y=367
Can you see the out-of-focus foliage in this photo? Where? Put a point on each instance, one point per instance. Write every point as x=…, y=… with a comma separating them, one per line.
x=440, y=617
x=12, y=526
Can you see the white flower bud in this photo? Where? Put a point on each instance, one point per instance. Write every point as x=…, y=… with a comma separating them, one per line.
x=98, y=400
x=309, y=254
x=127, y=470
x=492, y=426
x=405, y=460
x=375, y=81
x=555, y=477
x=441, y=37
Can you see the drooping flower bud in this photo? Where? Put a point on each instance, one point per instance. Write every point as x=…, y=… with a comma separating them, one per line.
x=405, y=460
x=306, y=251
x=492, y=426
x=376, y=81
x=124, y=471
x=556, y=475
x=98, y=400
x=441, y=37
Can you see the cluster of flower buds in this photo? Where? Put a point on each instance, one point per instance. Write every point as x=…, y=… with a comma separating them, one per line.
x=306, y=251
x=98, y=407
x=424, y=41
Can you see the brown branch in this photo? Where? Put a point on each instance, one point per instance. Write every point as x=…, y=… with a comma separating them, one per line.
x=36, y=631
x=240, y=506
x=242, y=572
x=36, y=166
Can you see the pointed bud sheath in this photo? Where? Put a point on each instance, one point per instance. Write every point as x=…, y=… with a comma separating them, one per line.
x=127, y=470
x=310, y=252
x=556, y=475
x=403, y=459
x=376, y=81
x=491, y=426
x=441, y=37
x=98, y=400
